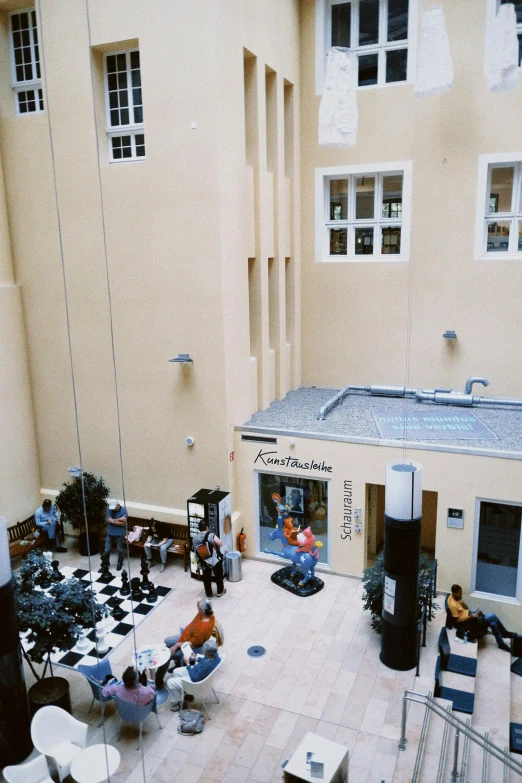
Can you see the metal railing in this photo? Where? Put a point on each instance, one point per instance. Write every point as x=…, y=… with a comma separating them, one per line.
x=461, y=728
x=426, y=611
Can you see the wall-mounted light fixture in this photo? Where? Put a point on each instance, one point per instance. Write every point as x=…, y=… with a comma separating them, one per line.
x=450, y=334
x=182, y=358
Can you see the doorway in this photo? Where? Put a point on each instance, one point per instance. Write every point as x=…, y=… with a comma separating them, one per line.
x=375, y=527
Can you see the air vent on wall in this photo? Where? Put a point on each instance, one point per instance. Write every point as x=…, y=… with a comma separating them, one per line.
x=259, y=438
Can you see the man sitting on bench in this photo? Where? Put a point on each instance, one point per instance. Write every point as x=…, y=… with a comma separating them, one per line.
x=477, y=622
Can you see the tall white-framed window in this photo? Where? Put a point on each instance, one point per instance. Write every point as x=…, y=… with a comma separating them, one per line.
x=491, y=11
x=25, y=62
x=497, y=549
x=498, y=233
x=380, y=32
x=124, y=106
x=363, y=212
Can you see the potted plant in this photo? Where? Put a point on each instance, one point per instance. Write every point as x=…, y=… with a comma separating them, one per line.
x=85, y=498
x=373, y=579
x=52, y=614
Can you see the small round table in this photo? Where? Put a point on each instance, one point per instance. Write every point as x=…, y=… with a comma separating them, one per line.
x=95, y=764
x=160, y=655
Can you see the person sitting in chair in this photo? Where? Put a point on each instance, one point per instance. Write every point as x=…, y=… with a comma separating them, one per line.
x=46, y=519
x=197, y=672
x=195, y=633
x=158, y=537
x=131, y=690
x=476, y=623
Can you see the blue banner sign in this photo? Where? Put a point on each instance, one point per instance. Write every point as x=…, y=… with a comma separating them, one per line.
x=431, y=425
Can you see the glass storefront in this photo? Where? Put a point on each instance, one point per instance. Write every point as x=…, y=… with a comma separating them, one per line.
x=307, y=502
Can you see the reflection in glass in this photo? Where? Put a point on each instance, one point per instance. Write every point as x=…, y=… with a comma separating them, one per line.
x=368, y=22
x=502, y=187
x=341, y=24
x=397, y=20
x=498, y=549
x=391, y=240
x=498, y=236
x=338, y=241
x=367, y=69
x=338, y=199
x=392, y=197
x=364, y=198
x=396, y=65
x=364, y=241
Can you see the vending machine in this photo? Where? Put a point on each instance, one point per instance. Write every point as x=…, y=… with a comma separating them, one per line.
x=215, y=506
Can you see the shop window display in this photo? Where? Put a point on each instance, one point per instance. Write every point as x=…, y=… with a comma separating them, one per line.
x=307, y=502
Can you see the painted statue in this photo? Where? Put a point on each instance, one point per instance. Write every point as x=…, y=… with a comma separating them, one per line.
x=300, y=548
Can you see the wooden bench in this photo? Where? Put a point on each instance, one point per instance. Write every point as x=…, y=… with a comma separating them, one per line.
x=23, y=532
x=179, y=533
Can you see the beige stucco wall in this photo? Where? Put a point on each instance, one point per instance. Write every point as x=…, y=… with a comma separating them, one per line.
x=176, y=228
x=361, y=324
x=458, y=479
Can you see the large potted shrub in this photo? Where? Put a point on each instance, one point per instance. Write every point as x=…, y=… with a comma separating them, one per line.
x=85, y=498
x=373, y=582
x=52, y=615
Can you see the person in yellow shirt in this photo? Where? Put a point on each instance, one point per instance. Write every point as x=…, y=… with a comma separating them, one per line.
x=472, y=621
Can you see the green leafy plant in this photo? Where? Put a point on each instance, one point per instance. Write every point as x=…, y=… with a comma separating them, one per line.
x=52, y=614
x=70, y=502
x=373, y=579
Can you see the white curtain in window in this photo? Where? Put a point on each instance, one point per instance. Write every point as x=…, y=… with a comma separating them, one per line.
x=434, y=65
x=338, y=110
x=502, y=64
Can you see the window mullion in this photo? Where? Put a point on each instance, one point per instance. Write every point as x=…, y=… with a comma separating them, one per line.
x=31, y=44
x=383, y=21
x=355, y=27
x=129, y=87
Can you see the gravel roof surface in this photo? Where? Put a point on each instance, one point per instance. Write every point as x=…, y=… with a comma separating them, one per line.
x=353, y=421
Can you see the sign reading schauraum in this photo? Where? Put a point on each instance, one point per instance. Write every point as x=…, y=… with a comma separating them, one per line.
x=268, y=458
x=431, y=425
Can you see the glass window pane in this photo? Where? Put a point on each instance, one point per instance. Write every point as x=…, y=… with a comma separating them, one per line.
x=120, y=62
x=112, y=82
x=519, y=48
x=392, y=196
x=135, y=59
x=341, y=24
x=368, y=69
x=498, y=548
x=15, y=21
x=136, y=97
x=364, y=198
x=368, y=22
x=111, y=63
x=339, y=199
x=124, y=116
x=501, y=188
x=138, y=114
x=136, y=78
x=364, y=241
x=498, y=236
x=338, y=242
x=396, y=65
x=391, y=240
x=397, y=20
x=115, y=118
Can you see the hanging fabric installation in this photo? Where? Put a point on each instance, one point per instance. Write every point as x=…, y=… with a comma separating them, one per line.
x=502, y=57
x=338, y=110
x=435, y=66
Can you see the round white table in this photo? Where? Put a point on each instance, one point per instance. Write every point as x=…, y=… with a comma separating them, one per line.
x=160, y=656
x=95, y=764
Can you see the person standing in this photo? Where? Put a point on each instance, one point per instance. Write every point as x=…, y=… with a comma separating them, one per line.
x=46, y=518
x=116, y=528
x=158, y=537
x=212, y=566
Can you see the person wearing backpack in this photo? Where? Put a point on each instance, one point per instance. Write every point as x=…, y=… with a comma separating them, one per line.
x=197, y=672
x=206, y=546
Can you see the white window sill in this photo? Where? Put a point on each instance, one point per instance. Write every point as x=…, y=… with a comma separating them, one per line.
x=501, y=599
x=128, y=160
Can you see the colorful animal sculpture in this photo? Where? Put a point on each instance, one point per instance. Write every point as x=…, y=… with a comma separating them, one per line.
x=305, y=556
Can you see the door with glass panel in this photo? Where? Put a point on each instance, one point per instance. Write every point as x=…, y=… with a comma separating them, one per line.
x=497, y=548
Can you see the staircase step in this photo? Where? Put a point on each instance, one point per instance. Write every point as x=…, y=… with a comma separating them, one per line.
x=430, y=762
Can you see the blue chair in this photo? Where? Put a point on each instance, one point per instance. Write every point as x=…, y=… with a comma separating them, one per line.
x=461, y=700
x=459, y=664
x=135, y=713
x=95, y=675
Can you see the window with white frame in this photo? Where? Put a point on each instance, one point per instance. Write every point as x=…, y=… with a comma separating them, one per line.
x=501, y=209
x=518, y=10
x=377, y=31
x=124, y=104
x=25, y=62
x=363, y=215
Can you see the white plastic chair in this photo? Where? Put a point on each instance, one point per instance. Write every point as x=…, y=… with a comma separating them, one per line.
x=34, y=771
x=202, y=688
x=57, y=734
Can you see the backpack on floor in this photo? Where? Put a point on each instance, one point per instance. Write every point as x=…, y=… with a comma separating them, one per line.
x=191, y=722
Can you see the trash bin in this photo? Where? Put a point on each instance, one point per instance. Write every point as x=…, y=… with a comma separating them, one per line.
x=234, y=567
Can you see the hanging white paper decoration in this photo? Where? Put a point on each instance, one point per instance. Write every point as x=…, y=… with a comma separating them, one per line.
x=502, y=65
x=338, y=110
x=435, y=66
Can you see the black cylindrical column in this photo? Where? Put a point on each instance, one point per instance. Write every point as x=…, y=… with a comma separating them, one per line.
x=15, y=723
x=402, y=539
